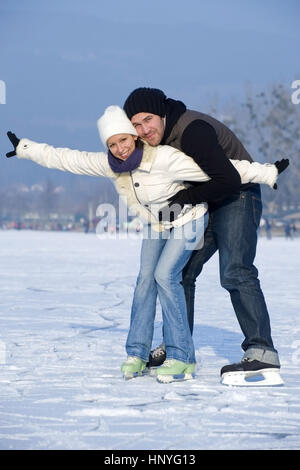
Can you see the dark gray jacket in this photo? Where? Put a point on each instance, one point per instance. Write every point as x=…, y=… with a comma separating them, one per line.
x=210, y=143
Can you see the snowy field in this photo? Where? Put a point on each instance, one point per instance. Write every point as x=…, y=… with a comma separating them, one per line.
x=65, y=305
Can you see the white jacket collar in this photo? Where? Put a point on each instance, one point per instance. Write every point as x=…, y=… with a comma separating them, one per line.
x=149, y=156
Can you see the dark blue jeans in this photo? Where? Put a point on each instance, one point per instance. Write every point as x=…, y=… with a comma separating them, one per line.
x=232, y=230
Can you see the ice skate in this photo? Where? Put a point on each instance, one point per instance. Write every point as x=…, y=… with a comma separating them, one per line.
x=175, y=371
x=156, y=358
x=251, y=372
x=133, y=367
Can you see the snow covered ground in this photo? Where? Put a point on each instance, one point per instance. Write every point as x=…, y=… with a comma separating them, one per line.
x=65, y=304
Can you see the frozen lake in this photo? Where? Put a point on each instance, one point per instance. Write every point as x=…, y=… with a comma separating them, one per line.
x=64, y=317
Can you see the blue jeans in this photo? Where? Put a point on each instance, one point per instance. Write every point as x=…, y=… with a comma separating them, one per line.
x=163, y=257
x=232, y=229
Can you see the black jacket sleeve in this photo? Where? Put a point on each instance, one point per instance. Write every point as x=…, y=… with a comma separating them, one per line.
x=199, y=141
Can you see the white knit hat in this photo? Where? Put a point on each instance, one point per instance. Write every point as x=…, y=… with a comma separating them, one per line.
x=114, y=121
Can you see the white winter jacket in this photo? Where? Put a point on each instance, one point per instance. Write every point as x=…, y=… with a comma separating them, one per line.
x=163, y=172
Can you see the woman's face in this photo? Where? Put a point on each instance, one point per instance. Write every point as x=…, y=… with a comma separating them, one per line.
x=122, y=145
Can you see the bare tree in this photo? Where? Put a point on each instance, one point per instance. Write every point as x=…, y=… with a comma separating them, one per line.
x=268, y=124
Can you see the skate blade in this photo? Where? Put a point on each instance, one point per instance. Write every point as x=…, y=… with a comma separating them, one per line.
x=133, y=375
x=166, y=379
x=259, y=378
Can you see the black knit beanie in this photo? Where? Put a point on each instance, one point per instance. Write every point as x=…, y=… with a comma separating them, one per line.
x=145, y=100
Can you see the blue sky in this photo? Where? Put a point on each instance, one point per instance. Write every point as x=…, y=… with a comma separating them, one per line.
x=64, y=61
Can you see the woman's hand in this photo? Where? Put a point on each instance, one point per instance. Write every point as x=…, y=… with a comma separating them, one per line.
x=281, y=165
x=15, y=141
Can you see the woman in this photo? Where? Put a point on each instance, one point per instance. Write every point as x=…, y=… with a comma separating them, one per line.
x=147, y=177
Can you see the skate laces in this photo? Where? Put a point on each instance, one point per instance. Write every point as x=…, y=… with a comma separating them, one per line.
x=168, y=362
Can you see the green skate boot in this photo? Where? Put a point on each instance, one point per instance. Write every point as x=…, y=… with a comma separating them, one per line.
x=133, y=367
x=175, y=371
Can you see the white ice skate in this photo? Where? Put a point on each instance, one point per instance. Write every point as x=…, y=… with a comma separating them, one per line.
x=251, y=373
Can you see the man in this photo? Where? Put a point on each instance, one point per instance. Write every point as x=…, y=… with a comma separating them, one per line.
x=235, y=213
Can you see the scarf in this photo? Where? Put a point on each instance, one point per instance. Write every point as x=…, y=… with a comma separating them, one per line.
x=174, y=109
x=130, y=164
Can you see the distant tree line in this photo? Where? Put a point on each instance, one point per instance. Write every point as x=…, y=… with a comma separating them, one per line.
x=46, y=199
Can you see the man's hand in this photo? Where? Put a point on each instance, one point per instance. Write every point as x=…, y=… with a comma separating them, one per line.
x=169, y=213
x=181, y=198
x=175, y=205
x=15, y=141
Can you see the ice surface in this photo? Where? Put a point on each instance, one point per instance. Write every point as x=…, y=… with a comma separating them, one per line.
x=65, y=306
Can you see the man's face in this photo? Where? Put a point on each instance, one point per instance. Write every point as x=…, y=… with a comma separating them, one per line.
x=150, y=127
